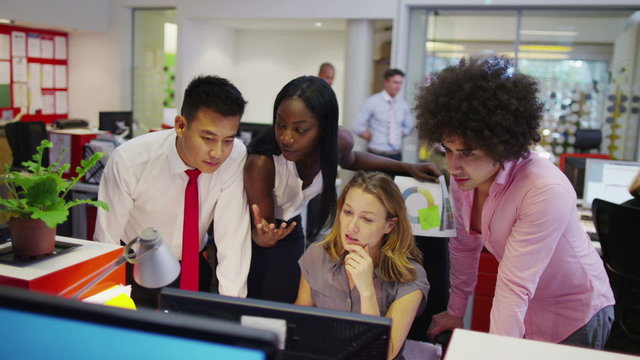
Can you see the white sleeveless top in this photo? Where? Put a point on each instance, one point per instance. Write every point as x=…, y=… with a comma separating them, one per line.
x=290, y=199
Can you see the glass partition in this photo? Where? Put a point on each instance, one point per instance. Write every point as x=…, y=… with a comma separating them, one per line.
x=154, y=53
x=576, y=55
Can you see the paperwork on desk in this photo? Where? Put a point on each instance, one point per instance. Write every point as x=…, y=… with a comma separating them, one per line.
x=428, y=206
x=118, y=296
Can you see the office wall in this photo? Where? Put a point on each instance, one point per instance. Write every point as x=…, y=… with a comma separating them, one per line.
x=100, y=67
x=88, y=15
x=267, y=60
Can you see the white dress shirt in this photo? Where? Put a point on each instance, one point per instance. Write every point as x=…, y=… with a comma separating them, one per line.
x=290, y=198
x=374, y=116
x=144, y=183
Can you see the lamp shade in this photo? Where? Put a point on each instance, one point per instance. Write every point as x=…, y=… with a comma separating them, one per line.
x=154, y=265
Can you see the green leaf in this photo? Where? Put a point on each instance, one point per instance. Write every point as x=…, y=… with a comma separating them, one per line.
x=40, y=194
x=51, y=217
x=43, y=193
x=96, y=203
x=12, y=204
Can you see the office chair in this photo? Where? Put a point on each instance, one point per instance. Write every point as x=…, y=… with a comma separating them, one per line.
x=23, y=138
x=618, y=227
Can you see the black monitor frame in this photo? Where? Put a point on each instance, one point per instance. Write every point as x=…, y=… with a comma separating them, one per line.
x=147, y=321
x=248, y=131
x=312, y=333
x=108, y=121
x=574, y=169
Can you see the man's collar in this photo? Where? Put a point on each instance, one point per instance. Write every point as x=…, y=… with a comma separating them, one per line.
x=176, y=165
x=386, y=96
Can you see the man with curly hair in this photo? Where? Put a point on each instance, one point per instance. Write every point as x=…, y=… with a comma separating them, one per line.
x=551, y=283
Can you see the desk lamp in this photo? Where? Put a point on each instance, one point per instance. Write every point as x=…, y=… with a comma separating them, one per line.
x=154, y=265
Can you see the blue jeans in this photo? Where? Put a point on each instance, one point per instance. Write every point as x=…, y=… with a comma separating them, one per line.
x=595, y=333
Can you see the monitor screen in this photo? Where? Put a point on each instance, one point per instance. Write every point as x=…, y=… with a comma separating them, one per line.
x=306, y=332
x=42, y=326
x=117, y=122
x=248, y=131
x=574, y=170
x=608, y=180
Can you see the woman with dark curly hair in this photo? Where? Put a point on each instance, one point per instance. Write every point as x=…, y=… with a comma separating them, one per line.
x=551, y=283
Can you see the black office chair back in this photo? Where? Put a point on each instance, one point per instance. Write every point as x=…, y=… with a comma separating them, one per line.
x=618, y=228
x=23, y=138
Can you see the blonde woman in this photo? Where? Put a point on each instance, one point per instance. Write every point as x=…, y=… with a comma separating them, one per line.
x=369, y=262
x=634, y=190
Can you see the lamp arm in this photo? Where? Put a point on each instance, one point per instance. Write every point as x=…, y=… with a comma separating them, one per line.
x=103, y=272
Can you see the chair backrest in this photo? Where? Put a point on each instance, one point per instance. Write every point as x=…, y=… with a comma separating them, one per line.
x=618, y=228
x=23, y=138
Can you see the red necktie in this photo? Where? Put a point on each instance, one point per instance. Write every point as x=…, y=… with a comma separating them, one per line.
x=190, y=234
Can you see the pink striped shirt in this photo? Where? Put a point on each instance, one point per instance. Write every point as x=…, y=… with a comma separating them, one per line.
x=551, y=280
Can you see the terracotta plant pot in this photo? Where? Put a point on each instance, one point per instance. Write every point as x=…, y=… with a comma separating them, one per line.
x=31, y=237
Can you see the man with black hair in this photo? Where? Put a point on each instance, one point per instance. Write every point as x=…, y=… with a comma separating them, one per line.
x=384, y=118
x=180, y=181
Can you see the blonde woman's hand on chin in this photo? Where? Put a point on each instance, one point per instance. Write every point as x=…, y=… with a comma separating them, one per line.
x=360, y=266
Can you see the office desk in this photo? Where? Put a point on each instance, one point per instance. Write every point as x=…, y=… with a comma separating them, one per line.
x=55, y=273
x=467, y=344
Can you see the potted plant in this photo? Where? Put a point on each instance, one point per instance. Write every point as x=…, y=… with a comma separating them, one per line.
x=36, y=202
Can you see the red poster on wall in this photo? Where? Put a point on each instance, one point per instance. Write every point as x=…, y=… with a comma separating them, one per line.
x=33, y=74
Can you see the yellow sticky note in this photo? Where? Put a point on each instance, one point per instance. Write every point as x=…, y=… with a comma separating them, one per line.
x=429, y=218
x=122, y=301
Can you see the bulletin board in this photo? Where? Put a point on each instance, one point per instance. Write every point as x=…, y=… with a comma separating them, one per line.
x=33, y=74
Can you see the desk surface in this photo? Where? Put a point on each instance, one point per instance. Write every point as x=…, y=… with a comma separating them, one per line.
x=467, y=344
x=88, y=250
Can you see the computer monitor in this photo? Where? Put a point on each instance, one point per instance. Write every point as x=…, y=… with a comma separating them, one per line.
x=117, y=122
x=608, y=180
x=41, y=326
x=307, y=332
x=574, y=170
x=248, y=131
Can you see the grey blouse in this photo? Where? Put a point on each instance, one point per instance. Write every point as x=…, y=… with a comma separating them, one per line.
x=330, y=286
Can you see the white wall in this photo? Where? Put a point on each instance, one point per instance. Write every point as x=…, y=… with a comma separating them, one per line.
x=267, y=60
x=89, y=15
x=204, y=48
x=93, y=66
x=100, y=68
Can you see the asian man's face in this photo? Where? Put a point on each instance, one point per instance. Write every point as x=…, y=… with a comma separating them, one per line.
x=206, y=141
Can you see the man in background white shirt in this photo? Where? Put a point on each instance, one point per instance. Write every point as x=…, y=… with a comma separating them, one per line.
x=385, y=118
x=144, y=184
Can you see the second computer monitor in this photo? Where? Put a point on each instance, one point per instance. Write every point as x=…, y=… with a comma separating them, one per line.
x=309, y=332
x=117, y=122
x=608, y=180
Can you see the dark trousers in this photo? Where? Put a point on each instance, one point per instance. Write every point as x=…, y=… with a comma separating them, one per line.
x=148, y=298
x=436, y=263
x=397, y=156
x=275, y=273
